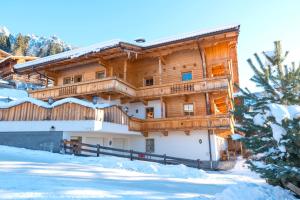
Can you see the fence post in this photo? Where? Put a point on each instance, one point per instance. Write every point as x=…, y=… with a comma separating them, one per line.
x=198, y=163
x=98, y=150
x=165, y=159
x=131, y=155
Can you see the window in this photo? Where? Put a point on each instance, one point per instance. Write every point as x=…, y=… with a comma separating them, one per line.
x=150, y=145
x=149, y=81
x=186, y=76
x=67, y=80
x=77, y=78
x=149, y=113
x=100, y=75
x=188, y=109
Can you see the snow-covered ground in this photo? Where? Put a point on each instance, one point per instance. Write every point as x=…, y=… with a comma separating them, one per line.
x=28, y=174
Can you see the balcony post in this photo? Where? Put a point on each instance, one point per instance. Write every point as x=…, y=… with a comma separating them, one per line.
x=125, y=70
x=160, y=70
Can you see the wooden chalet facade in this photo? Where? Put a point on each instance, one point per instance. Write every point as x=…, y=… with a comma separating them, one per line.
x=174, y=90
x=7, y=72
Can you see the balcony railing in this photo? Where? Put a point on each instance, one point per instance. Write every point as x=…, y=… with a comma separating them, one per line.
x=117, y=85
x=195, y=86
x=83, y=88
x=224, y=122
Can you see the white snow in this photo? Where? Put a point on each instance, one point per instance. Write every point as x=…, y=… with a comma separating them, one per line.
x=13, y=93
x=259, y=119
x=70, y=54
x=280, y=112
x=4, y=31
x=236, y=136
x=57, y=103
x=28, y=174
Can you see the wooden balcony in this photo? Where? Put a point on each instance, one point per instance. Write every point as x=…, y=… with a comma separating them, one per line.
x=212, y=122
x=188, y=87
x=111, y=84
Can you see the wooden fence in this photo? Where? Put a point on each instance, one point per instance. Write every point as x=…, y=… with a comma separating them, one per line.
x=83, y=149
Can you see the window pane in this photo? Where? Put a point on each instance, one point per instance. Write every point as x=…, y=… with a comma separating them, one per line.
x=100, y=75
x=149, y=113
x=77, y=78
x=186, y=76
x=67, y=80
x=149, y=81
x=150, y=145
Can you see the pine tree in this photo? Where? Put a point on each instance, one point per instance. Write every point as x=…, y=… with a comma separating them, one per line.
x=20, y=45
x=5, y=43
x=273, y=141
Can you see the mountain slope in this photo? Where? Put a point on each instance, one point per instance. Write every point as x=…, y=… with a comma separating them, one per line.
x=31, y=45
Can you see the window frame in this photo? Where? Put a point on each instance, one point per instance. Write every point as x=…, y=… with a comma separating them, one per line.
x=65, y=78
x=187, y=112
x=187, y=72
x=146, y=113
x=147, y=79
x=149, y=145
x=98, y=72
x=78, y=75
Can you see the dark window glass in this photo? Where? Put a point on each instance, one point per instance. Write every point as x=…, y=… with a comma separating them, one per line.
x=100, y=75
x=150, y=145
x=149, y=81
x=67, y=80
x=77, y=78
x=149, y=113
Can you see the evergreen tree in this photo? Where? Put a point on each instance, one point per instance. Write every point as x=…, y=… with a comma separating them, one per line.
x=54, y=48
x=271, y=120
x=5, y=43
x=20, y=45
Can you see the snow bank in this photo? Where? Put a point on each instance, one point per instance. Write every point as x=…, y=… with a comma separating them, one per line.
x=250, y=191
x=178, y=171
x=43, y=104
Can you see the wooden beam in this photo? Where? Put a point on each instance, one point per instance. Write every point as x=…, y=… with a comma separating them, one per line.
x=161, y=107
x=145, y=133
x=187, y=132
x=160, y=70
x=125, y=70
x=165, y=133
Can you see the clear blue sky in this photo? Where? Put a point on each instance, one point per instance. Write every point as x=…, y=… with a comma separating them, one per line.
x=84, y=22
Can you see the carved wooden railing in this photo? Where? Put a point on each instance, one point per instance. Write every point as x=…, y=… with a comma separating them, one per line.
x=195, y=86
x=182, y=123
x=111, y=84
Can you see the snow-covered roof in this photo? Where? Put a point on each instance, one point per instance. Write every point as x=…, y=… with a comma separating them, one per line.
x=43, y=104
x=13, y=93
x=114, y=43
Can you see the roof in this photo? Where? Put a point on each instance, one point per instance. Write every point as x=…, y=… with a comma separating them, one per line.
x=117, y=43
x=4, y=53
x=17, y=58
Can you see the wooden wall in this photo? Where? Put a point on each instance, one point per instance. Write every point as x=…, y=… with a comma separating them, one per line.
x=174, y=105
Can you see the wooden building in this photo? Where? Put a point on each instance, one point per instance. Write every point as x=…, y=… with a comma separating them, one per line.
x=7, y=72
x=177, y=92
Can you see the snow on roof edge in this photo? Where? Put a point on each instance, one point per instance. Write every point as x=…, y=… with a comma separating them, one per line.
x=105, y=45
x=4, y=105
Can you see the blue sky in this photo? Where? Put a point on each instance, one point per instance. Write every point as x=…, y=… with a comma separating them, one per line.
x=84, y=22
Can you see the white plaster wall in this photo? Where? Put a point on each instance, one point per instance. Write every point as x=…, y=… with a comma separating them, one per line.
x=132, y=107
x=177, y=144
x=218, y=144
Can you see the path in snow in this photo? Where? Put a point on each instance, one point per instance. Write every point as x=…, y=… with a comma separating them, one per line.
x=27, y=174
